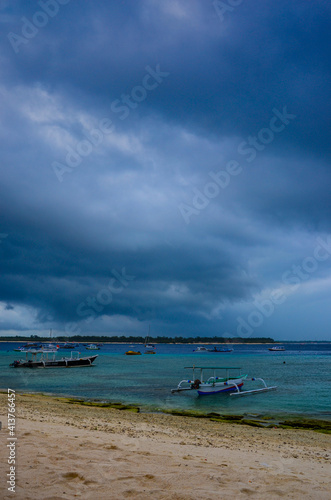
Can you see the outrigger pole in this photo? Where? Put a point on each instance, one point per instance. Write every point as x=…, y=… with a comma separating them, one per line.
x=253, y=391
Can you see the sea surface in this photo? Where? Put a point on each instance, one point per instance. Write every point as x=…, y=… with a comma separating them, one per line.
x=302, y=375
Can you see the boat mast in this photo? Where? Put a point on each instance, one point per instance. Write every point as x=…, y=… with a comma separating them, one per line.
x=149, y=331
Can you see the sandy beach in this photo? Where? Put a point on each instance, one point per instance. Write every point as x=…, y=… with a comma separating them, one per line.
x=66, y=451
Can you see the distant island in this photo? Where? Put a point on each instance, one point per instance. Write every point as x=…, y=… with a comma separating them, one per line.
x=138, y=339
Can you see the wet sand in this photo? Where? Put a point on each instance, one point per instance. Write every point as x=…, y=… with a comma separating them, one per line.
x=66, y=451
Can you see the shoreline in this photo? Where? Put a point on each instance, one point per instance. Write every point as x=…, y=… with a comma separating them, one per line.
x=154, y=342
x=75, y=450
x=279, y=421
x=104, y=342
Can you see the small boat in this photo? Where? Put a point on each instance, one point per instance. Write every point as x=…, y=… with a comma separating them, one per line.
x=28, y=345
x=277, y=348
x=133, y=353
x=149, y=348
x=214, y=384
x=50, y=347
x=68, y=345
x=220, y=349
x=92, y=347
x=47, y=359
x=37, y=347
x=213, y=349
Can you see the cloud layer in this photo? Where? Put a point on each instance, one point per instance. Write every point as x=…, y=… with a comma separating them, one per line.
x=180, y=145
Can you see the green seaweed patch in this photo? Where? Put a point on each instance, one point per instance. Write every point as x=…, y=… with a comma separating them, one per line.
x=240, y=419
x=96, y=404
x=253, y=423
x=197, y=414
x=225, y=419
x=323, y=426
x=186, y=413
x=213, y=415
x=233, y=418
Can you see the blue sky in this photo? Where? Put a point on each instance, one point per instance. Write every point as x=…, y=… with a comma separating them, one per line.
x=165, y=164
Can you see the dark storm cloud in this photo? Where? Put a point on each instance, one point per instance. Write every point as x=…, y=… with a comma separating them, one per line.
x=118, y=207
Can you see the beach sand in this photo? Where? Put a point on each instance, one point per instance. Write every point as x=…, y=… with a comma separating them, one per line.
x=66, y=451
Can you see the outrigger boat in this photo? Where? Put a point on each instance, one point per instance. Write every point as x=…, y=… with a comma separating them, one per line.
x=277, y=348
x=213, y=349
x=92, y=347
x=37, y=347
x=214, y=384
x=47, y=359
x=68, y=345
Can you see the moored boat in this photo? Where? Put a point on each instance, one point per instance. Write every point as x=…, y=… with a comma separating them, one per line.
x=149, y=348
x=277, y=348
x=220, y=349
x=214, y=384
x=92, y=347
x=68, y=345
x=213, y=349
x=47, y=359
x=37, y=347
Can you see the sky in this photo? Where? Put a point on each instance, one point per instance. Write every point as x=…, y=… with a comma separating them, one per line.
x=165, y=165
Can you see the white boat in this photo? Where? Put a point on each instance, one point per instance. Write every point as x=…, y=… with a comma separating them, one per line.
x=214, y=384
x=277, y=348
x=37, y=348
x=92, y=347
x=50, y=347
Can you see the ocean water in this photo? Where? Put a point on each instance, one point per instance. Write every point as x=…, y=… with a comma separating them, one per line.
x=302, y=375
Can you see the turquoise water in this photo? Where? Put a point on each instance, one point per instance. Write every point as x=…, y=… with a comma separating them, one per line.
x=303, y=381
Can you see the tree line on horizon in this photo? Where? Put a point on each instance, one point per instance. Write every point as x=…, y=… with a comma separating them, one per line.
x=139, y=339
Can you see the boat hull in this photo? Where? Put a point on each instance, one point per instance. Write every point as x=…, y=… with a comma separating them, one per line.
x=218, y=387
x=64, y=363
